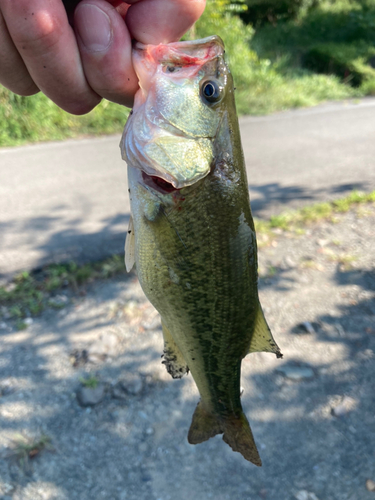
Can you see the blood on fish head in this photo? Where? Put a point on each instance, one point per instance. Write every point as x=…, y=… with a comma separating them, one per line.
x=189, y=56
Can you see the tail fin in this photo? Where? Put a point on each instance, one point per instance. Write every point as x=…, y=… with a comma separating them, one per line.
x=236, y=429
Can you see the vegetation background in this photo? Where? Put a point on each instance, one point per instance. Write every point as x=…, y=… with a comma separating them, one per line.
x=283, y=54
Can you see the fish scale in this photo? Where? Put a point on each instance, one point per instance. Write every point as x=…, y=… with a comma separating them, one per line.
x=195, y=253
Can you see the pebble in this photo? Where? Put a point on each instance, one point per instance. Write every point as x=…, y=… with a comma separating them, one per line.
x=308, y=327
x=370, y=485
x=340, y=330
x=105, y=346
x=5, y=312
x=132, y=383
x=152, y=324
x=88, y=396
x=58, y=300
x=305, y=495
x=28, y=321
x=304, y=327
x=6, y=389
x=118, y=392
x=296, y=373
x=347, y=405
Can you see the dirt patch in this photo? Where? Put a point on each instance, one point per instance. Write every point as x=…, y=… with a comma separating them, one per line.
x=318, y=293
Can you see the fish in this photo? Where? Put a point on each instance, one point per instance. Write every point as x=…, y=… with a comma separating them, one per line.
x=191, y=235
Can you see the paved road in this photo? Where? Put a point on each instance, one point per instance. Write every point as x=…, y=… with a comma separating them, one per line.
x=68, y=200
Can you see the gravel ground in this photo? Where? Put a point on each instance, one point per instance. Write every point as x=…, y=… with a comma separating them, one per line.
x=312, y=413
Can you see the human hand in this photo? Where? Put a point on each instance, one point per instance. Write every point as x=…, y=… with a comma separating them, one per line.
x=77, y=66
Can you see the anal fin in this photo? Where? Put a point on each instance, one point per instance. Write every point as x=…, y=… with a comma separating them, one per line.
x=173, y=359
x=262, y=339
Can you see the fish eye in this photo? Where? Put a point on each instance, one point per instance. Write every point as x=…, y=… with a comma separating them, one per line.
x=211, y=91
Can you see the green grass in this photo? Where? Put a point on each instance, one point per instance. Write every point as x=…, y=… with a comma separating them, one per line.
x=30, y=293
x=91, y=382
x=337, y=39
x=34, y=119
x=26, y=448
x=296, y=221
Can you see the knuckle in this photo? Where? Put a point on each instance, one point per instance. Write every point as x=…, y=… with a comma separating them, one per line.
x=42, y=29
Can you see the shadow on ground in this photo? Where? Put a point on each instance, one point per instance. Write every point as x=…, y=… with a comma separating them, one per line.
x=136, y=447
x=272, y=199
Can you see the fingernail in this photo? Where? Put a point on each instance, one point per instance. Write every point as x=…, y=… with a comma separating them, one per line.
x=94, y=27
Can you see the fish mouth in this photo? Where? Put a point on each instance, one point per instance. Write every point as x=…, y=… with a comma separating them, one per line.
x=158, y=184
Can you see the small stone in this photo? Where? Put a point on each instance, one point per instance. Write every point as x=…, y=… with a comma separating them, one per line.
x=6, y=389
x=105, y=346
x=132, y=383
x=58, y=301
x=347, y=405
x=7, y=488
x=305, y=327
x=5, y=312
x=296, y=373
x=152, y=324
x=305, y=495
x=78, y=357
x=370, y=485
x=340, y=330
x=88, y=396
x=10, y=287
x=118, y=392
x=3, y=326
x=308, y=327
x=28, y=321
x=289, y=261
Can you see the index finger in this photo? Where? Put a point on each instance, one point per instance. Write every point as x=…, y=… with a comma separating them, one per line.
x=162, y=21
x=46, y=43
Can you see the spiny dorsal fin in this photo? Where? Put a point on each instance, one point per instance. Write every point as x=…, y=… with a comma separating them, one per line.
x=262, y=339
x=173, y=359
x=130, y=247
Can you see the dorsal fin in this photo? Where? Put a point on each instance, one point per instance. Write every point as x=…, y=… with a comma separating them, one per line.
x=130, y=247
x=262, y=339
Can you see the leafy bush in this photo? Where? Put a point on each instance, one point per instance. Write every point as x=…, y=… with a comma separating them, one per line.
x=337, y=22
x=260, y=12
x=263, y=87
x=348, y=62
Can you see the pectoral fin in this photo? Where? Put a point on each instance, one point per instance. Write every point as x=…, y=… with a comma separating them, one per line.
x=262, y=339
x=173, y=359
x=130, y=247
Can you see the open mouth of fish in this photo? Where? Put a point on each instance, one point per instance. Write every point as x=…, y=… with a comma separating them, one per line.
x=158, y=184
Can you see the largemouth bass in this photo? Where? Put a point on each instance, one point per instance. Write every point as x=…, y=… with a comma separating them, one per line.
x=191, y=234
